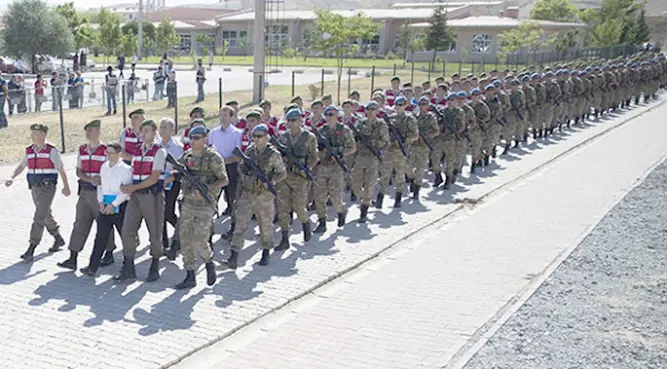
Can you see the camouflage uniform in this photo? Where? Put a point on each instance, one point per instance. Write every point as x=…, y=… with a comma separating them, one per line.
x=517, y=113
x=451, y=131
x=538, y=116
x=366, y=165
x=493, y=127
x=330, y=176
x=466, y=140
x=419, y=152
x=530, y=96
x=394, y=160
x=553, y=94
x=509, y=127
x=478, y=131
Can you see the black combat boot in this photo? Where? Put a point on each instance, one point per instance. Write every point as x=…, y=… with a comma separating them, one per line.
x=516, y=143
x=189, y=281
x=307, y=233
x=448, y=180
x=341, y=219
x=378, y=201
x=57, y=243
x=493, y=153
x=438, y=179
x=71, y=262
x=127, y=272
x=507, y=149
x=284, y=241
x=175, y=247
x=107, y=259
x=455, y=171
x=486, y=160
x=576, y=121
x=397, y=200
x=415, y=193
x=211, y=277
x=230, y=234
x=154, y=271
x=353, y=197
x=28, y=255
x=568, y=123
x=540, y=133
x=472, y=168
x=321, y=226
x=535, y=135
x=525, y=137
x=266, y=255
x=233, y=260
x=364, y=214
x=636, y=101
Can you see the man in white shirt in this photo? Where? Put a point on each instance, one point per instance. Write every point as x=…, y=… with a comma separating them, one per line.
x=112, y=202
x=172, y=185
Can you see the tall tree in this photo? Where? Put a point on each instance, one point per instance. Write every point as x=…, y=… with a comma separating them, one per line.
x=341, y=35
x=69, y=13
x=131, y=27
x=408, y=42
x=614, y=20
x=128, y=44
x=86, y=37
x=110, y=34
x=642, y=29
x=32, y=28
x=527, y=35
x=438, y=35
x=554, y=10
x=165, y=36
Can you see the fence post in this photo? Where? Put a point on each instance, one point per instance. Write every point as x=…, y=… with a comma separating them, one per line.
x=472, y=66
x=176, y=105
x=412, y=72
x=293, y=81
x=444, y=68
x=428, y=76
x=219, y=93
x=122, y=92
x=349, y=81
x=148, y=94
x=460, y=67
x=62, y=121
x=261, y=90
x=394, y=70
x=372, y=80
x=322, y=82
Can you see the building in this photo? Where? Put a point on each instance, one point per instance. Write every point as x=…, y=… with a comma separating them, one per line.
x=656, y=17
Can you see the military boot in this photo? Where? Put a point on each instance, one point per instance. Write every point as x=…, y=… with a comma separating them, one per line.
x=448, y=180
x=525, y=137
x=341, y=219
x=154, y=271
x=636, y=101
x=568, y=123
x=364, y=214
x=438, y=179
x=127, y=272
x=107, y=259
x=493, y=153
x=175, y=247
x=516, y=143
x=284, y=241
x=57, y=243
x=321, y=226
x=28, y=255
x=486, y=160
x=415, y=193
x=233, y=260
x=71, y=262
x=211, y=277
x=189, y=281
x=535, y=135
x=230, y=233
x=507, y=149
x=307, y=233
x=266, y=255
x=353, y=197
x=397, y=200
x=472, y=168
x=378, y=201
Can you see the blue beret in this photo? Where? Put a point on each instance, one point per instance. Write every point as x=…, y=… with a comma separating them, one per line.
x=565, y=71
x=400, y=100
x=489, y=87
x=582, y=73
x=515, y=82
x=452, y=96
x=424, y=99
x=198, y=130
x=559, y=72
x=372, y=105
x=461, y=94
x=475, y=91
x=535, y=76
x=330, y=108
x=525, y=79
x=575, y=72
x=262, y=128
x=293, y=114
x=497, y=83
x=548, y=74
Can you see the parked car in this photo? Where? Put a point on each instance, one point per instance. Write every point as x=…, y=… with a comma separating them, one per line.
x=8, y=65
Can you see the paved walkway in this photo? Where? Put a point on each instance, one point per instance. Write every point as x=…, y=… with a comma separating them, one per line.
x=418, y=305
x=55, y=319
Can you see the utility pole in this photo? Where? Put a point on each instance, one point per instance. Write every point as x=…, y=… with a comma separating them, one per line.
x=258, y=51
x=140, y=30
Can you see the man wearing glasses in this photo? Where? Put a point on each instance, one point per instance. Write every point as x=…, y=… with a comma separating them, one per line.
x=394, y=160
x=366, y=165
x=293, y=191
x=111, y=204
x=255, y=198
x=420, y=152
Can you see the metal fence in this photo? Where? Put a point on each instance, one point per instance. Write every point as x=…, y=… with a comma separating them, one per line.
x=542, y=57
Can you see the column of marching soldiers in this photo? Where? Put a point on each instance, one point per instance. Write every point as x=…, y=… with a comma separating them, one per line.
x=275, y=167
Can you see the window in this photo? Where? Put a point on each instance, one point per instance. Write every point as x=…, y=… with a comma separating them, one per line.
x=277, y=36
x=243, y=34
x=186, y=42
x=230, y=37
x=481, y=43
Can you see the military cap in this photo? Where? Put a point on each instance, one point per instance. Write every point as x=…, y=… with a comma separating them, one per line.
x=261, y=128
x=575, y=73
x=455, y=75
x=582, y=73
x=348, y=101
x=354, y=92
x=265, y=102
x=253, y=114
x=469, y=76
x=428, y=92
x=426, y=83
x=407, y=89
x=291, y=106
x=497, y=83
x=489, y=87
x=509, y=77
x=548, y=74
x=372, y=105
x=330, y=108
x=395, y=78
x=475, y=91
x=326, y=97
x=407, y=85
x=525, y=79
x=198, y=121
x=515, y=82
x=315, y=102
x=148, y=122
x=483, y=75
x=295, y=98
x=424, y=99
x=440, y=78
x=293, y=114
x=136, y=111
x=232, y=102
x=493, y=71
x=536, y=76
x=452, y=96
x=400, y=100
x=93, y=124
x=198, y=130
x=461, y=94
x=197, y=109
x=442, y=85
x=39, y=127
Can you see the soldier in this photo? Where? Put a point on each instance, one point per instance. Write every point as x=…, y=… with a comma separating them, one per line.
x=146, y=203
x=374, y=136
x=537, y=109
x=293, y=191
x=394, y=91
x=205, y=164
x=395, y=160
x=255, y=197
x=350, y=117
x=470, y=121
x=452, y=129
x=129, y=136
x=315, y=118
x=89, y=162
x=479, y=129
x=551, y=110
x=171, y=86
x=492, y=136
x=330, y=175
x=530, y=96
x=111, y=89
x=44, y=164
x=428, y=129
x=196, y=114
x=517, y=111
x=588, y=94
x=508, y=128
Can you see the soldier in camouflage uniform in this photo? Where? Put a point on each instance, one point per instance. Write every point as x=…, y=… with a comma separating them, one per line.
x=374, y=132
x=478, y=130
x=293, y=191
x=255, y=197
x=195, y=222
x=537, y=110
x=577, y=96
x=598, y=85
x=419, y=152
x=517, y=112
x=494, y=126
x=560, y=111
x=508, y=127
x=587, y=99
x=330, y=176
x=452, y=130
x=530, y=96
x=394, y=160
x=550, y=111
x=466, y=140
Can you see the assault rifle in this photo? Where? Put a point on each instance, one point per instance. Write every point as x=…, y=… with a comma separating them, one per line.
x=330, y=150
x=396, y=134
x=365, y=141
x=289, y=152
x=194, y=182
x=448, y=127
x=256, y=171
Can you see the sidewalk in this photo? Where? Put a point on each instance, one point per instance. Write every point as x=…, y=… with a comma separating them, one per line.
x=55, y=319
x=418, y=305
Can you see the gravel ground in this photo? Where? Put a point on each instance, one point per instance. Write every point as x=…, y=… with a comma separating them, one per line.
x=606, y=305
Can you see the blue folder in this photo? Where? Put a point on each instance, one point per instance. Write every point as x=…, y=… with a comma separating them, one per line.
x=108, y=200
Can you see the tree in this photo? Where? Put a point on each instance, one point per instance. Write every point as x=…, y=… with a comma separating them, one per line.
x=527, y=35
x=340, y=35
x=132, y=27
x=128, y=44
x=244, y=44
x=69, y=13
x=608, y=33
x=205, y=42
x=32, y=28
x=308, y=42
x=86, y=37
x=554, y=10
x=165, y=36
x=110, y=34
x=438, y=34
x=613, y=23
x=642, y=29
x=408, y=42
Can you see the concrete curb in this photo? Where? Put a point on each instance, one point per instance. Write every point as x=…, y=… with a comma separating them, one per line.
x=400, y=240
